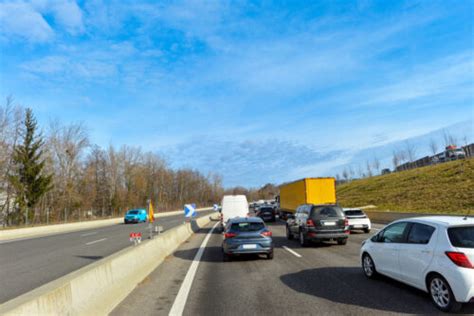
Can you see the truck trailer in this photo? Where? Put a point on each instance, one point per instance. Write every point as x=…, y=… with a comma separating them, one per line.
x=317, y=191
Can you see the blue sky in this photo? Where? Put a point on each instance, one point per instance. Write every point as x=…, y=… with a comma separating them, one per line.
x=258, y=91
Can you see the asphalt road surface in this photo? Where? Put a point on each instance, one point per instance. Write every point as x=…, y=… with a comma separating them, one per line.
x=26, y=264
x=324, y=279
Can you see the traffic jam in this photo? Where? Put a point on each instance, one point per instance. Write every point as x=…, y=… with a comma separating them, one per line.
x=434, y=254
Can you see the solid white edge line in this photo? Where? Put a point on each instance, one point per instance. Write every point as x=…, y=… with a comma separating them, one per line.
x=180, y=300
x=95, y=241
x=292, y=252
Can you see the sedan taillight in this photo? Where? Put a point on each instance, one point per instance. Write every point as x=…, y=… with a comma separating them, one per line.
x=266, y=234
x=459, y=259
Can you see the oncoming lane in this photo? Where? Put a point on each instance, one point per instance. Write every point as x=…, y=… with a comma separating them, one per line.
x=26, y=264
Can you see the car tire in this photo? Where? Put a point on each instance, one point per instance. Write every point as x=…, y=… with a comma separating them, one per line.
x=342, y=241
x=289, y=235
x=226, y=257
x=368, y=266
x=441, y=294
x=270, y=255
x=366, y=230
x=303, y=240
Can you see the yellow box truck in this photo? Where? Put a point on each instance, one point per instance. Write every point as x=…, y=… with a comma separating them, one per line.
x=306, y=191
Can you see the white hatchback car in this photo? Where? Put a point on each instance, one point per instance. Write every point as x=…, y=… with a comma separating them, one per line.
x=357, y=219
x=434, y=254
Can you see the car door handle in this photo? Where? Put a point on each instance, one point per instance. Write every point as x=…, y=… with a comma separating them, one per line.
x=425, y=251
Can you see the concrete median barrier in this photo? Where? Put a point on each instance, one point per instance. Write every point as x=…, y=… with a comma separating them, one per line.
x=97, y=288
x=31, y=232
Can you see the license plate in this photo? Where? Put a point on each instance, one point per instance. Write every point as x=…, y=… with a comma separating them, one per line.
x=329, y=223
x=358, y=226
x=252, y=246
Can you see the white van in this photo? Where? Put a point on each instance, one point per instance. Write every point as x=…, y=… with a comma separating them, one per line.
x=233, y=206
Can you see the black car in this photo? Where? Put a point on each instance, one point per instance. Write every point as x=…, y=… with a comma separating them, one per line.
x=318, y=223
x=246, y=235
x=267, y=213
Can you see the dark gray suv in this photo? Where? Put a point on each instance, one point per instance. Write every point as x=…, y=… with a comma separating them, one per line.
x=318, y=223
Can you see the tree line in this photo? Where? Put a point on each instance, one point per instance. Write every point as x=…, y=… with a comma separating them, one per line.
x=58, y=175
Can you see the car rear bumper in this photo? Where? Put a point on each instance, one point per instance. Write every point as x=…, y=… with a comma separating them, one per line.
x=359, y=226
x=316, y=236
x=239, y=248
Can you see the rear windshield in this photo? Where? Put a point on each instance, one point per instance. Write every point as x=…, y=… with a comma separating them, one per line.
x=462, y=237
x=327, y=211
x=247, y=227
x=354, y=213
x=266, y=209
x=133, y=212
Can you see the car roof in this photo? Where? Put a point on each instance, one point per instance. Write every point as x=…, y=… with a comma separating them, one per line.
x=246, y=219
x=351, y=209
x=446, y=221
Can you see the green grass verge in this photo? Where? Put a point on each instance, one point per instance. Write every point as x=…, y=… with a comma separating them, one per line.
x=443, y=188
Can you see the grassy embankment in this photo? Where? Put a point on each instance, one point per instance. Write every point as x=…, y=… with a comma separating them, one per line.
x=442, y=188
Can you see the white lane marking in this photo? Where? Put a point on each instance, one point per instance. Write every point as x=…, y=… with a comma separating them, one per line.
x=180, y=300
x=95, y=241
x=89, y=234
x=292, y=251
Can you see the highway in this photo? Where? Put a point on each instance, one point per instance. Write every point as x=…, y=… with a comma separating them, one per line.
x=26, y=264
x=324, y=279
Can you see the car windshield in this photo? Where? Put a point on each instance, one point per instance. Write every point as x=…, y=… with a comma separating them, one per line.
x=462, y=237
x=247, y=227
x=354, y=213
x=266, y=210
x=327, y=211
x=132, y=212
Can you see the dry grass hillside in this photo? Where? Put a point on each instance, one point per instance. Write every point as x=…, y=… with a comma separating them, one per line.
x=443, y=188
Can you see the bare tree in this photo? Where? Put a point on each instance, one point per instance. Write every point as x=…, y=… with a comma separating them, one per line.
x=433, y=146
x=410, y=151
x=449, y=139
x=369, y=168
x=345, y=174
x=376, y=164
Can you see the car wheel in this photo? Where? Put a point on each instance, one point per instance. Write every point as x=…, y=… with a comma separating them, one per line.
x=289, y=235
x=270, y=255
x=303, y=240
x=226, y=257
x=366, y=230
x=342, y=241
x=368, y=266
x=442, y=295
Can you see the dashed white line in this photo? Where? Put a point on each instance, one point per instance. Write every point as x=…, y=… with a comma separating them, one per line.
x=180, y=300
x=95, y=241
x=292, y=252
x=88, y=234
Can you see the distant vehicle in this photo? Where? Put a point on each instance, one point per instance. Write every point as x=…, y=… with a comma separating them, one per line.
x=318, y=223
x=316, y=191
x=452, y=153
x=357, y=219
x=434, y=254
x=386, y=171
x=233, y=206
x=246, y=236
x=267, y=213
x=136, y=216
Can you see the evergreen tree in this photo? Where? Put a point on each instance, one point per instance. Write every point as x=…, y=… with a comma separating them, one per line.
x=29, y=181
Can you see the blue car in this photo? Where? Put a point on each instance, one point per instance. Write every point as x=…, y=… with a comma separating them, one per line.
x=136, y=216
x=246, y=235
